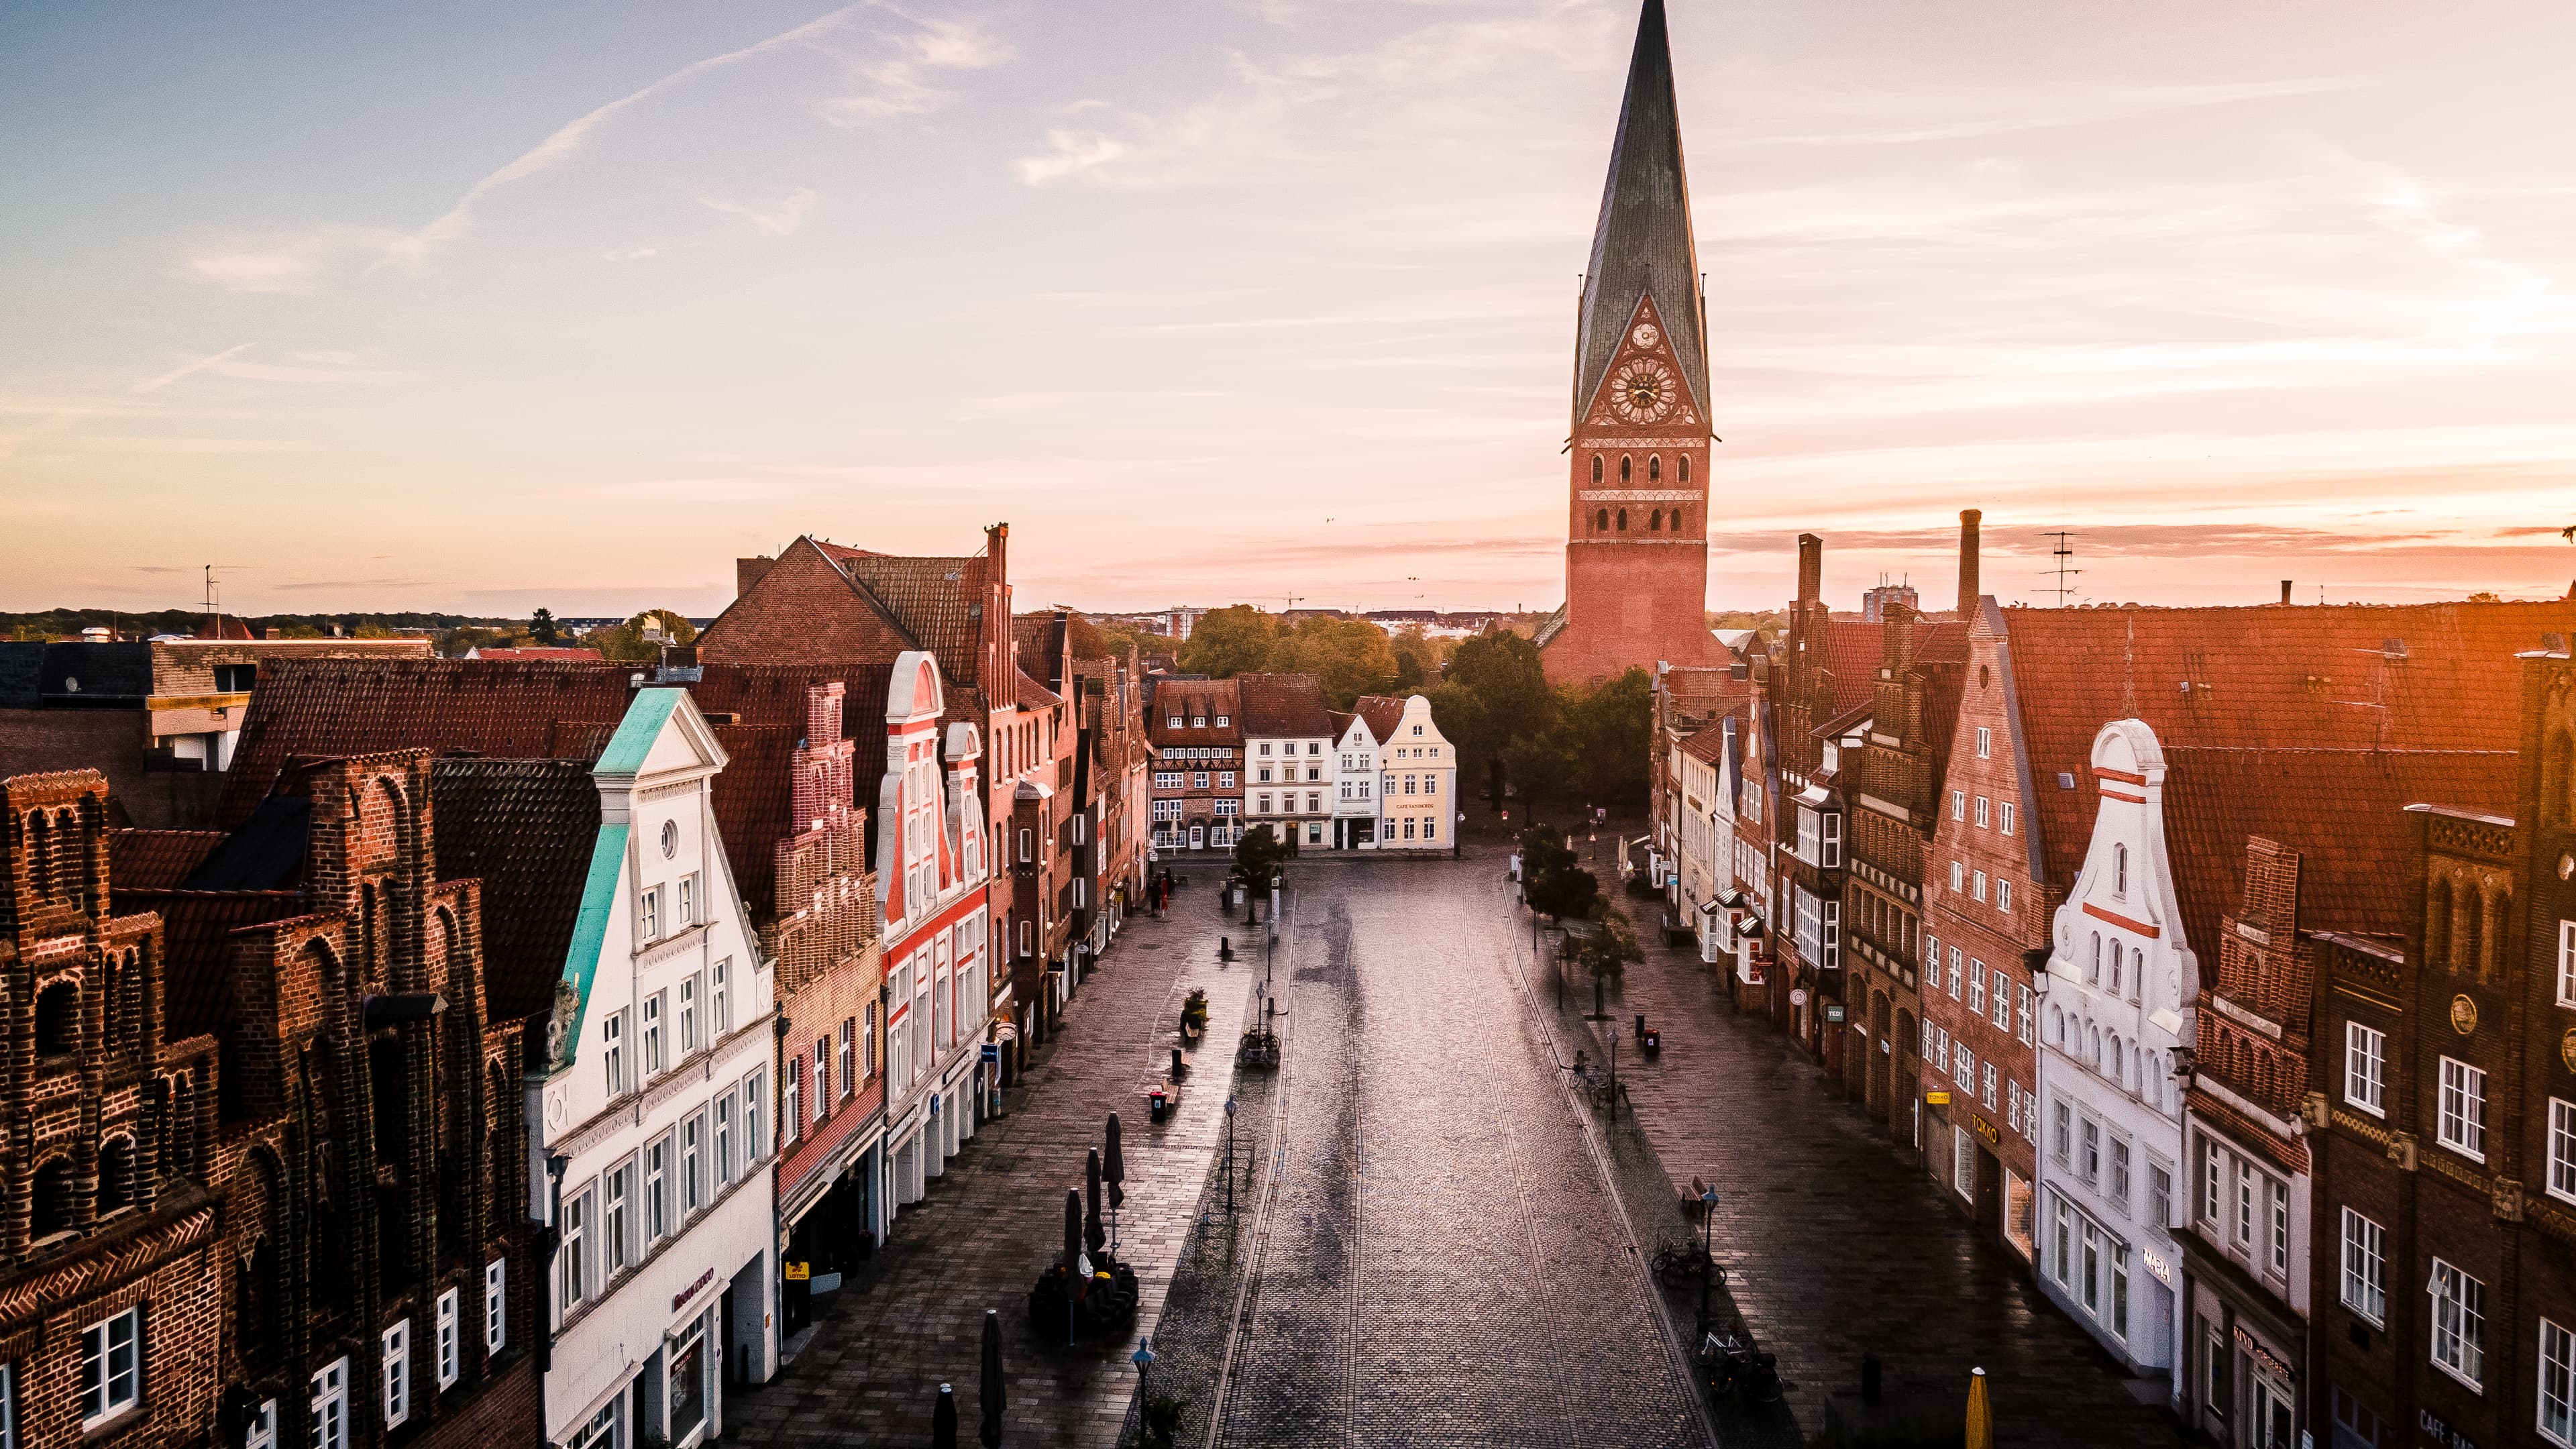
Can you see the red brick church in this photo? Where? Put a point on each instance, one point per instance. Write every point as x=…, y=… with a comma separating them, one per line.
x=1636, y=543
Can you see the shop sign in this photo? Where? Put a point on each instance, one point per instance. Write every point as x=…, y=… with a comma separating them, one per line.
x=1937, y=1099
x=1798, y=996
x=681, y=1299
x=2157, y=1265
x=2264, y=1358
x=1994, y=1136
x=799, y=1272
x=1833, y=1011
x=2443, y=1434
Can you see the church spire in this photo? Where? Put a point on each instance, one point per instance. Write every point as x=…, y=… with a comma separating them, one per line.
x=1642, y=244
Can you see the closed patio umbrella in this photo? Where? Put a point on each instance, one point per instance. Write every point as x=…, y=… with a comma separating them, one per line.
x=943, y=1420
x=990, y=1391
x=1092, y=1232
x=1072, y=1227
x=1113, y=1166
x=1981, y=1415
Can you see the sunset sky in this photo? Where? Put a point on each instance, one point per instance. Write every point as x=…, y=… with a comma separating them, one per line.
x=491, y=306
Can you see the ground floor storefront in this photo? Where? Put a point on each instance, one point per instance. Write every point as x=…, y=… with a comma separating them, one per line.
x=2242, y=1355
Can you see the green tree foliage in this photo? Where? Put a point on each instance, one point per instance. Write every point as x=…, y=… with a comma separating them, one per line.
x=1228, y=642
x=1492, y=697
x=1419, y=659
x=543, y=629
x=627, y=644
x=455, y=642
x=1348, y=657
x=1612, y=726
x=1607, y=951
x=1551, y=880
x=1257, y=853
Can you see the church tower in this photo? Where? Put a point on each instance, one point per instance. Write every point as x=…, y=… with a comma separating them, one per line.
x=1636, y=544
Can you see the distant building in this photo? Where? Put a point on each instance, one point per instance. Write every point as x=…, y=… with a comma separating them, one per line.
x=1874, y=602
x=1287, y=752
x=158, y=719
x=568, y=656
x=1197, y=741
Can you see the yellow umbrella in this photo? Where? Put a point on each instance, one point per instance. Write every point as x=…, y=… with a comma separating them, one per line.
x=1981, y=1415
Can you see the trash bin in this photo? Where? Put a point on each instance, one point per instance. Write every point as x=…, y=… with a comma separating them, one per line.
x=1160, y=1104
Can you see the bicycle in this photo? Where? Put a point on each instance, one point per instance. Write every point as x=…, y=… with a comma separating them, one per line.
x=1678, y=1262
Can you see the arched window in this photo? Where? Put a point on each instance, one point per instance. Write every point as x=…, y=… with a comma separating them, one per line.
x=50, y=1200
x=2120, y=871
x=1623, y=520
x=2117, y=962
x=1654, y=467
x=2118, y=1061
x=2137, y=972
x=1677, y=520
x=1627, y=468
x=1655, y=521
x=2093, y=972
x=58, y=1019
x=1596, y=467
x=1601, y=520
x=40, y=852
x=116, y=1185
x=2093, y=1046
x=1684, y=467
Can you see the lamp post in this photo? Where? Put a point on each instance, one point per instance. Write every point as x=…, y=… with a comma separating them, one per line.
x=1707, y=1248
x=1229, y=1157
x=1143, y=1359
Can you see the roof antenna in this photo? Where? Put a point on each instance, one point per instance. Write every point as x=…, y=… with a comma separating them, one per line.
x=2064, y=551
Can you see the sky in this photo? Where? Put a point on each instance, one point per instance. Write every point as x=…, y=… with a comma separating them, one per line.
x=484, y=307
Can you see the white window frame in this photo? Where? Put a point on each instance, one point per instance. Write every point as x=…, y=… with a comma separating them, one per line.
x=2560, y=1178
x=107, y=1392
x=2459, y=1323
x=395, y=1345
x=648, y=914
x=2006, y=822
x=496, y=1306
x=654, y=1009
x=2567, y=963
x=572, y=1249
x=330, y=1405
x=2365, y=1268
x=612, y=1035
x=2556, y=1376
x=2463, y=1126
x=2365, y=1068
x=450, y=1355
x=261, y=1433
x=1985, y=742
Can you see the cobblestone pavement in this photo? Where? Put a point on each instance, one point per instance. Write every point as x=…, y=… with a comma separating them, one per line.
x=1836, y=1244
x=914, y=1319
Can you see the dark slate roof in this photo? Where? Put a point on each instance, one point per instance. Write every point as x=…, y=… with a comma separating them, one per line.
x=264, y=853
x=156, y=860
x=1642, y=243
x=525, y=829
x=1284, y=704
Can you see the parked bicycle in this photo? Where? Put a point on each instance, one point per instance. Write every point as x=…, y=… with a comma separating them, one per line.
x=1684, y=1260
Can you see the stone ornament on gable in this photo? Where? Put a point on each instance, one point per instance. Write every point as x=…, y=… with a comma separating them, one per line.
x=2464, y=1015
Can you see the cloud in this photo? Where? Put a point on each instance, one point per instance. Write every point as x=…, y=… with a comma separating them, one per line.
x=899, y=84
x=155, y=384
x=779, y=220
x=298, y=262
x=390, y=583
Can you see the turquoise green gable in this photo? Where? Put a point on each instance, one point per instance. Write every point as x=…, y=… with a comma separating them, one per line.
x=599, y=898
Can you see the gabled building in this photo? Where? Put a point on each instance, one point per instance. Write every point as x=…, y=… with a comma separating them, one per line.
x=1112, y=775
x=1287, y=757
x=1197, y=742
x=652, y=1119
x=1418, y=807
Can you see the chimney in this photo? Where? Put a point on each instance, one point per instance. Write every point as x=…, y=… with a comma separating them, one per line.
x=1811, y=567
x=748, y=571
x=1968, y=520
x=2285, y=591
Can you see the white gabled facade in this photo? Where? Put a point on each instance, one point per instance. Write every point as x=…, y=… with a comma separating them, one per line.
x=933, y=867
x=651, y=1132
x=1355, y=783
x=2120, y=985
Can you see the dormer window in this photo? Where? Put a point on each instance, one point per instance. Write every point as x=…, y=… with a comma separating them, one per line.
x=1175, y=722
x=1198, y=722
x=1221, y=721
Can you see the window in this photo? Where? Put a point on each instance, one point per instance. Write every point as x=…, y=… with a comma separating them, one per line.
x=2459, y=1323
x=849, y=1073
x=1198, y=779
x=1977, y=890
x=653, y=1063
x=2567, y=963
x=1958, y=877
x=2280, y=1193
x=447, y=1339
x=688, y=1015
x=613, y=1034
x=868, y=1040
x=648, y=915
x=1221, y=721
x=2245, y=1179
x=1985, y=813
x=2060, y=1127
x=1225, y=781
x=1988, y=1095
x=790, y=1077
x=621, y=1216
x=2464, y=1108
x=2120, y=871
x=723, y=998
x=2061, y=1256
x=2210, y=1187
x=2120, y=1174
x=657, y=1189
x=111, y=1367
x=260, y=1434
x=693, y=1181
x=2366, y=1267
x=330, y=1405
x=724, y=1139
x=2090, y=1165
x=1958, y=804
x=2003, y=896
x=1976, y=991
x=2562, y=1149
x=573, y=1249
x=496, y=1318
x=2366, y=1069
x=1985, y=745
x=1963, y=1164
x=2159, y=1194
x=688, y=901
x=1964, y=1067
x=2002, y=996
x=2557, y=1383
x=2092, y=1285
x=396, y=1345
x=755, y=1091
x=1683, y=476
x=2005, y=824
x=2021, y=1005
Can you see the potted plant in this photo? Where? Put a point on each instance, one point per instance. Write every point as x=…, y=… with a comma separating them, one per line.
x=1194, y=1015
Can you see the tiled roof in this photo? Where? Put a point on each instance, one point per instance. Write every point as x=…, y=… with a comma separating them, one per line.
x=150, y=860
x=1034, y=695
x=223, y=626
x=1852, y=650
x=1196, y=699
x=1276, y=705
x=2272, y=677
x=525, y=829
x=576, y=655
x=1033, y=640
x=938, y=601
x=1382, y=714
x=1708, y=744
x=2343, y=810
x=196, y=977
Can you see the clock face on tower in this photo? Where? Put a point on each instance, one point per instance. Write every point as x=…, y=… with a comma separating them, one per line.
x=1643, y=391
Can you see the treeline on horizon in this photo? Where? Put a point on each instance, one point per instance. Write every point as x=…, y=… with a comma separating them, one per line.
x=59, y=623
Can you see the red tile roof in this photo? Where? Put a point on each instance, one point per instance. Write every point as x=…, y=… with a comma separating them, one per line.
x=2262, y=678
x=1193, y=699
x=937, y=601
x=2343, y=810
x=156, y=859
x=590, y=655
x=1277, y=705
x=1382, y=714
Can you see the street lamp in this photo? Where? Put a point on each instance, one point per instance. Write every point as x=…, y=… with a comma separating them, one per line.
x=1707, y=1248
x=1143, y=1359
x=1229, y=1157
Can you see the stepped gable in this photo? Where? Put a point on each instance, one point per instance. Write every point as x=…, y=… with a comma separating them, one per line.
x=2343, y=676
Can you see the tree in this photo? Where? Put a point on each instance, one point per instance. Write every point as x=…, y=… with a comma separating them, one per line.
x=1613, y=727
x=1228, y=642
x=1348, y=657
x=543, y=628
x=1257, y=853
x=627, y=642
x=1555, y=886
x=1497, y=697
x=1417, y=659
x=1607, y=951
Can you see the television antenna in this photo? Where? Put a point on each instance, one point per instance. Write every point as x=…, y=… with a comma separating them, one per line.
x=2064, y=570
